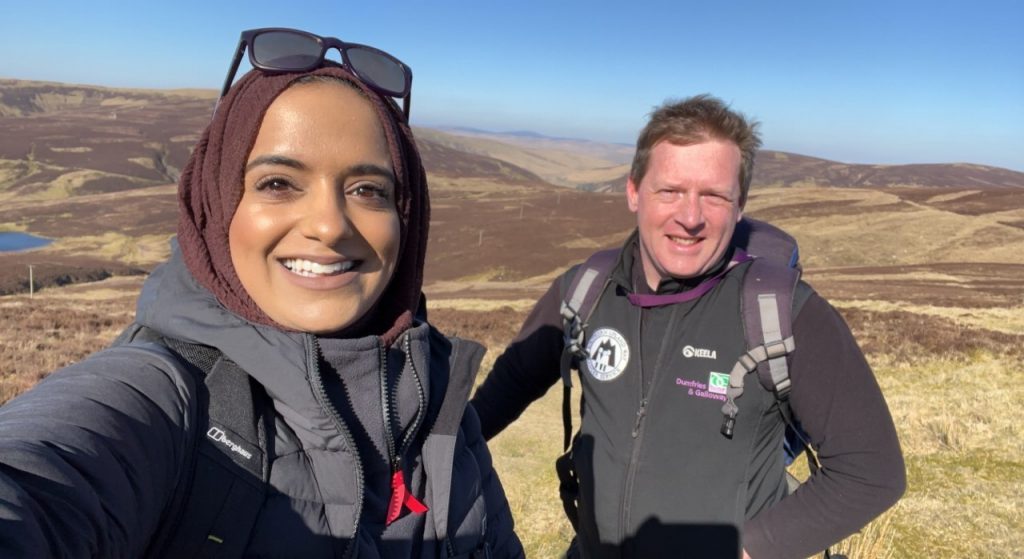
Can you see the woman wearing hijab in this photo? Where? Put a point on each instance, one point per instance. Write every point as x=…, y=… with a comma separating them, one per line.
x=278, y=394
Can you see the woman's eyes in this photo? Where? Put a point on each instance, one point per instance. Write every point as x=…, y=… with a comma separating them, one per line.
x=366, y=191
x=370, y=193
x=274, y=185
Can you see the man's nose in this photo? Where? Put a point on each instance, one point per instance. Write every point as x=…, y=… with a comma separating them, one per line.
x=689, y=212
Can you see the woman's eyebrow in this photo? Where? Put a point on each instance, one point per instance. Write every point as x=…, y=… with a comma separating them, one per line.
x=371, y=169
x=360, y=169
x=275, y=160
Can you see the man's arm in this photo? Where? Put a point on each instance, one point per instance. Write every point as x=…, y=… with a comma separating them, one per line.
x=837, y=401
x=527, y=368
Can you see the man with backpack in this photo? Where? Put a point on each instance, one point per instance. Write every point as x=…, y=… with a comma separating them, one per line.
x=697, y=349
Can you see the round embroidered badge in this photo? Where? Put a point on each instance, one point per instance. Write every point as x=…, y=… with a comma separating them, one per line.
x=607, y=354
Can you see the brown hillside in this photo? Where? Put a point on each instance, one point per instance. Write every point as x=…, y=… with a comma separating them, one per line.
x=58, y=140
x=495, y=224
x=614, y=153
x=777, y=168
x=559, y=161
x=445, y=161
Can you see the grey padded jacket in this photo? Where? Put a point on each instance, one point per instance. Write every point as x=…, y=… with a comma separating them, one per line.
x=90, y=457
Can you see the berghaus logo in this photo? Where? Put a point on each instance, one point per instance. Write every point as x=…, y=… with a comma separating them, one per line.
x=218, y=435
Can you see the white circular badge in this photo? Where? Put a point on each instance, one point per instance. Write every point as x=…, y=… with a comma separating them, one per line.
x=607, y=354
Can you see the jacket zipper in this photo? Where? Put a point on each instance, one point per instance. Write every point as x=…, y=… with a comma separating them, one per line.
x=421, y=410
x=385, y=404
x=637, y=433
x=389, y=408
x=317, y=382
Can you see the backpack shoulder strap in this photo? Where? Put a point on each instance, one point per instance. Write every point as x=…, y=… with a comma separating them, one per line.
x=588, y=281
x=767, y=312
x=578, y=302
x=766, y=307
x=222, y=489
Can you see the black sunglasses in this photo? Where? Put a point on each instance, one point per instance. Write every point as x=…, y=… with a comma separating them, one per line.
x=278, y=49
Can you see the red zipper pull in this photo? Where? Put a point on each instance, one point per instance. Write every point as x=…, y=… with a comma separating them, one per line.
x=401, y=496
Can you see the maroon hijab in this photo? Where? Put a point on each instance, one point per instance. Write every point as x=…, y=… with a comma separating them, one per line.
x=211, y=187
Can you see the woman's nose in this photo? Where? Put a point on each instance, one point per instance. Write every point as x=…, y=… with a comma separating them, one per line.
x=326, y=216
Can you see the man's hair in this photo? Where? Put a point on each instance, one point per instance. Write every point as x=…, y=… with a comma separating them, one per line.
x=694, y=120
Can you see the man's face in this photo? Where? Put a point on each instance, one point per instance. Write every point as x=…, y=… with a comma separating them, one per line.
x=686, y=206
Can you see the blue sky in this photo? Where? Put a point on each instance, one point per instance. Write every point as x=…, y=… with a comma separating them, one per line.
x=858, y=82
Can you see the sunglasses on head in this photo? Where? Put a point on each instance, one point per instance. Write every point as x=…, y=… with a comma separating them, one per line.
x=277, y=49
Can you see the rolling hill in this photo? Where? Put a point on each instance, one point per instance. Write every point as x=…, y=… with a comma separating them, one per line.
x=59, y=140
x=93, y=168
x=779, y=168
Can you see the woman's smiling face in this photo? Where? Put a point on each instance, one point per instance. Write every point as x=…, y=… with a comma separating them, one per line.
x=315, y=238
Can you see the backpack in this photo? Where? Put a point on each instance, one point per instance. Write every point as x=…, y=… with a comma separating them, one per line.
x=770, y=298
x=214, y=508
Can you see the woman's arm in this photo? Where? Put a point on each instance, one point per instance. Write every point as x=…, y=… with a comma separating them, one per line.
x=90, y=456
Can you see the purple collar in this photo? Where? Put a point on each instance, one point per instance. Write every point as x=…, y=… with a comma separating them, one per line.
x=655, y=300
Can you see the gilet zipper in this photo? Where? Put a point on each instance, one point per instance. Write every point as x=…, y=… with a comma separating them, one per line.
x=389, y=407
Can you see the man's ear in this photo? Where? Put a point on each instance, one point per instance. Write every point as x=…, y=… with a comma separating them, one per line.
x=632, y=195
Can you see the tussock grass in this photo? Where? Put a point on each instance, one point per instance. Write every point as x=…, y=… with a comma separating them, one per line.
x=66, y=184
x=130, y=249
x=79, y=149
x=1007, y=320
x=10, y=227
x=875, y=541
x=493, y=327
x=482, y=305
x=146, y=162
x=524, y=456
x=596, y=242
x=56, y=328
x=880, y=228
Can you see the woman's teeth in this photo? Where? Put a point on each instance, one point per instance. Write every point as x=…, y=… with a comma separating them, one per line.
x=310, y=268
